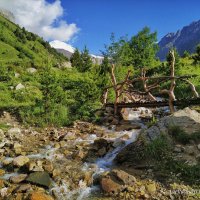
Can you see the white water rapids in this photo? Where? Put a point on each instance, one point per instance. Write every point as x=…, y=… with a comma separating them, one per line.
x=102, y=164
x=121, y=139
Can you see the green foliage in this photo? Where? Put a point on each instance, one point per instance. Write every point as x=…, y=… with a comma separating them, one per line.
x=144, y=48
x=139, y=51
x=196, y=56
x=181, y=136
x=186, y=54
x=86, y=61
x=81, y=61
x=159, y=149
x=17, y=46
x=76, y=59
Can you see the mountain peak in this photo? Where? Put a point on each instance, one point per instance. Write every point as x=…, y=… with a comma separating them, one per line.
x=185, y=39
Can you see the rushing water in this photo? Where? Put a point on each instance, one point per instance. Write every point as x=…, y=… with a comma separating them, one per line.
x=102, y=164
x=120, y=139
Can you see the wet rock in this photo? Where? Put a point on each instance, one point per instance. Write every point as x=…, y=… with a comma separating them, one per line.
x=2, y=172
x=24, y=188
x=126, y=178
x=128, y=127
x=109, y=185
x=20, y=161
x=40, y=178
x=18, y=178
x=56, y=172
x=17, y=148
x=116, y=181
x=80, y=154
x=130, y=153
x=48, y=166
x=198, y=146
x=2, y=136
x=3, y=192
x=40, y=196
x=102, y=152
x=151, y=188
x=7, y=161
x=88, y=178
x=118, y=142
x=36, y=166
x=1, y=183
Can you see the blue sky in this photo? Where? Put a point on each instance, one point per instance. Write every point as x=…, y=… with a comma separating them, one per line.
x=90, y=22
x=98, y=18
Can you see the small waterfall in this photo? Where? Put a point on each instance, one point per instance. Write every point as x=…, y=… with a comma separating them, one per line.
x=121, y=139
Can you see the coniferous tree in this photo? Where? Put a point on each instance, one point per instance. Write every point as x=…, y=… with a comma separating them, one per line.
x=186, y=54
x=86, y=60
x=196, y=57
x=144, y=48
x=76, y=59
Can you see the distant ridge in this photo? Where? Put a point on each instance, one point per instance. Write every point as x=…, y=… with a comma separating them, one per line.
x=185, y=39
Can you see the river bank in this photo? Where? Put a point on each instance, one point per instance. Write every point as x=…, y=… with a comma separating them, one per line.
x=79, y=162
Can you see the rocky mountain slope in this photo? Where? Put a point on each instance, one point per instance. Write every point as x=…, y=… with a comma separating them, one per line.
x=185, y=39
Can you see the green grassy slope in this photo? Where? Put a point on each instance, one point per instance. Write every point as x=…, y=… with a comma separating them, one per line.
x=20, y=46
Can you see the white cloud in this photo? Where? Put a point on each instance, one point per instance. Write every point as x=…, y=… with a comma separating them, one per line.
x=40, y=17
x=62, y=45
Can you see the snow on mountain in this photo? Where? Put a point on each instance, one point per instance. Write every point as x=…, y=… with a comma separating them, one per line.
x=62, y=45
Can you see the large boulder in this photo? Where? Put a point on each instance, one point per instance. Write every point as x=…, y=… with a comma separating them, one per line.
x=40, y=178
x=187, y=119
x=116, y=181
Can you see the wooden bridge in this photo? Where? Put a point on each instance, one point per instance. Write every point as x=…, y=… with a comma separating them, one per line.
x=154, y=104
x=127, y=93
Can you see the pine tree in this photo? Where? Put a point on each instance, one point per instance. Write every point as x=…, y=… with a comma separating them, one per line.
x=196, y=57
x=76, y=59
x=86, y=59
x=144, y=48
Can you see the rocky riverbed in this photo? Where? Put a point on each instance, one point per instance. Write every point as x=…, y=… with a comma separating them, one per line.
x=85, y=161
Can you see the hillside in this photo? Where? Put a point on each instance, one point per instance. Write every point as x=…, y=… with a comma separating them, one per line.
x=185, y=39
x=19, y=46
x=34, y=87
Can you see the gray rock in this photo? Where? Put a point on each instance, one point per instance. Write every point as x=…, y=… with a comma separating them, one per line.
x=187, y=119
x=31, y=70
x=198, y=146
x=190, y=150
x=24, y=188
x=40, y=178
x=14, y=131
x=19, y=86
x=2, y=136
x=18, y=178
